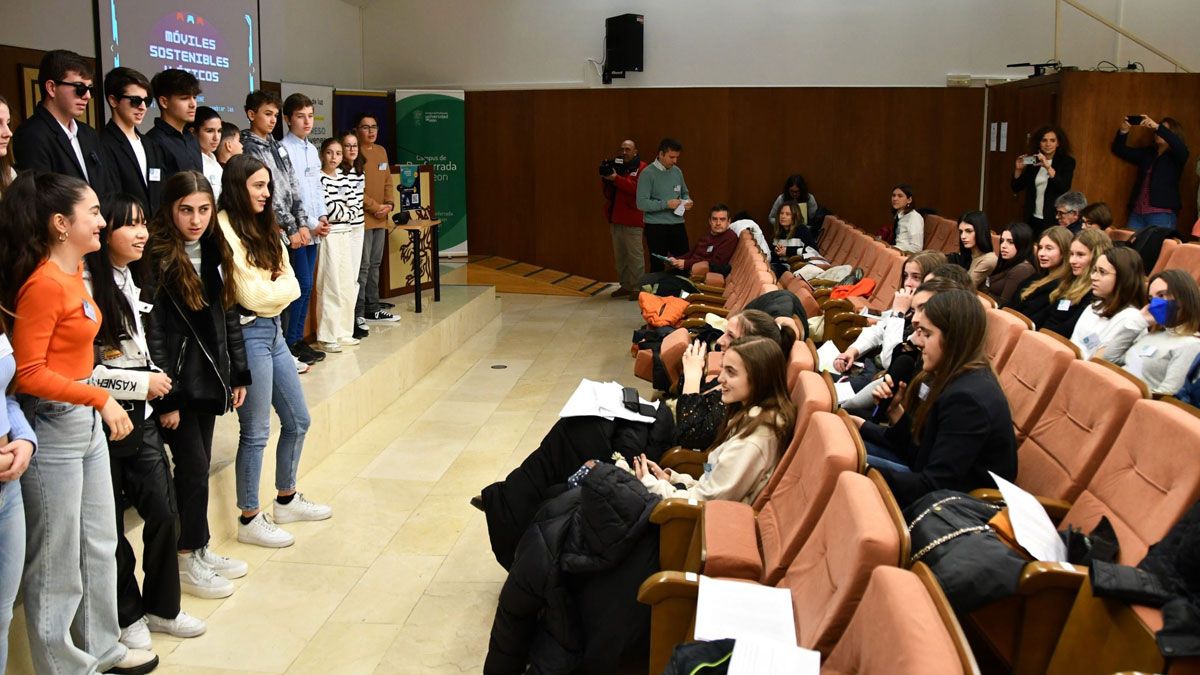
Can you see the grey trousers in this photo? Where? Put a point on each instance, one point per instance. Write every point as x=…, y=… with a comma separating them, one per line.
x=627, y=249
x=374, y=246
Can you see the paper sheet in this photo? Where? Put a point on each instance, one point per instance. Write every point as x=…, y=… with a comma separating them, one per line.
x=1004, y=137
x=682, y=207
x=844, y=391
x=738, y=609
x=992, y=130
x=1031, y=525
x=602, y=399
x=752, y=656
x=826, y=354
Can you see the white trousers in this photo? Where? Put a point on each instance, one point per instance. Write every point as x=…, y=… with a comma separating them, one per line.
x=337, y=283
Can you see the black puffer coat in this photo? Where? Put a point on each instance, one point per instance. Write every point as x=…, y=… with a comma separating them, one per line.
x=201, y=351
x=570, y=601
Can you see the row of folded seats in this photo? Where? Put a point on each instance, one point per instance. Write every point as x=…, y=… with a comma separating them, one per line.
x=1092, y=444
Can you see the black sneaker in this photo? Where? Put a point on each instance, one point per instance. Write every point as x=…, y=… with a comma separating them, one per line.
x=316, y=354
x=360, y=333
x=382, y=315
x=306, y=354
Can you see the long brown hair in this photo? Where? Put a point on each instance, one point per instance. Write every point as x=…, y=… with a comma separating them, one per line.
x=359, y=162
x=959, y=315
x=6, y=163
x=766, y=369
x=259, y=233
x=798, y=220
x=1061, y=237
x=926, y=260
x=31, y=201
x=167, y=245
x=1129, y=289
x=1073, y=287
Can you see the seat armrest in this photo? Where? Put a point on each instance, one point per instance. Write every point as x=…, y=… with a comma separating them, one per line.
x=709, y=289
x=672, y=599
x=822, y=282
x=700, y=309
x=662, y=586
x=1055, y=508
x=675, y=508
x=1039, y=576
x=705, y=299
x=682, y=460
x=678, y=523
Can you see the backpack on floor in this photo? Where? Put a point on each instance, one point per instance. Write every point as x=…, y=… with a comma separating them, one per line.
x=659, y=311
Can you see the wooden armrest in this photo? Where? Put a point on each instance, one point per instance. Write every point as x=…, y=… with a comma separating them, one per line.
x=672, y=599
x=822, y=282
x=1039, y=576
x=675, y=508
x=710, y=289
x=822, y=293
x=700, y=309
x=686, y=461
x=697, y=322
x=679, y=524
x=1055, y=508
x=839, y=305
x=705, y=299
x=662, y=586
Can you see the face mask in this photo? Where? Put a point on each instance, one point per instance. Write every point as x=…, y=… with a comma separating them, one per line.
x=1163, y=310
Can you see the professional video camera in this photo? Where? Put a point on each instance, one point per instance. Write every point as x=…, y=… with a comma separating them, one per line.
x=615, y=165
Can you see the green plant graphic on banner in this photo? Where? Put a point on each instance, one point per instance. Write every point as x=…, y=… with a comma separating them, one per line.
x=431, y=129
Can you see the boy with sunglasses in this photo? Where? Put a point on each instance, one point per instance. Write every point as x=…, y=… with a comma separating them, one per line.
x=175, y=91
x=53, y=139
x=137, y=164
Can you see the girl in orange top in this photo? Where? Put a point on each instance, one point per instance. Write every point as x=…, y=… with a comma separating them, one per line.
x=48, y=222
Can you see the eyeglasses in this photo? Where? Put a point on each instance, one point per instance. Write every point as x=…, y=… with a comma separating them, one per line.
x=81, y=88
x=1063, y=214
x=136, y=101
x=369, y=127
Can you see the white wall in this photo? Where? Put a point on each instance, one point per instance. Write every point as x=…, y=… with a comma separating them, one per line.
x=314, y=41
x=534, y=43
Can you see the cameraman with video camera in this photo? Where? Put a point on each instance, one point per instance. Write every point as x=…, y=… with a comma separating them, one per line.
x=618, y=182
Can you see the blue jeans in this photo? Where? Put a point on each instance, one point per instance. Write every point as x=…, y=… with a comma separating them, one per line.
x=883, y=458
x=12, y=558
x=1138, y=221
x=71, y=544
x=304, y=262
x=274, y=382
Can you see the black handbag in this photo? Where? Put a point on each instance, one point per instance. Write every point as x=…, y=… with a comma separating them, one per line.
x=130, y=444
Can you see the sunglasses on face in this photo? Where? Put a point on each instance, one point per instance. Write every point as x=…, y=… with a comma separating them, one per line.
x=136, y=101
x=81, y=88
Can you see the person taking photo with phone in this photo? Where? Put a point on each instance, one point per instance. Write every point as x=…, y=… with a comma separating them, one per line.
x=1044, y=174
x=1155, y=200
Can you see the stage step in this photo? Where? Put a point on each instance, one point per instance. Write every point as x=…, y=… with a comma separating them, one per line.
x=513, y=276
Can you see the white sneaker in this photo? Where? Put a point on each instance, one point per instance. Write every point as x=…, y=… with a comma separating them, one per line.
x=263, y=532
x=136, y=662
x=361, y=322
x=301, y=367
x=184, y=625
x=348, y=341
x=301, y=509
x=200, y=580
x=230, y=568
x=136, y=635
x=331, y=347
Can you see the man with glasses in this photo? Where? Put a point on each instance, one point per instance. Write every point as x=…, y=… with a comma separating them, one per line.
x=53, y=139
x=136, y=164
x=378, y=203
x=1067, y=208
x=176, y=91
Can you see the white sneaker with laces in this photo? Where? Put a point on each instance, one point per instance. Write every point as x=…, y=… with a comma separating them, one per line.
x=301, y=509
x=200, y=580
x=301, y=367
x=331, y=347
x=135, y=662
x=361, y=322
x=184, y=625
x=263, y=532
x=348, y=341
x=136, y=635
x=230, y=568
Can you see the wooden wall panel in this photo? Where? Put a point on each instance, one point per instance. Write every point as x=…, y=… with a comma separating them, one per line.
x=534, y=192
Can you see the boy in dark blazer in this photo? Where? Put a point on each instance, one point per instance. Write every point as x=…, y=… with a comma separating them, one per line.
x=135, y=162
x=53, y=139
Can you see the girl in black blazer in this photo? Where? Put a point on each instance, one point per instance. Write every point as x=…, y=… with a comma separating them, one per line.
x=952, y=424
x=1045, y=180
x=196, y=337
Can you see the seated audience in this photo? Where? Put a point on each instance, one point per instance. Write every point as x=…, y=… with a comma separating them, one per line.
x=1113, y=321
x=1096, y=215
x=1043, y=174
x=1014, y=265
x=510, y=504
x=1033, y=298
x=1067, y=209
x=1154, y=201
x=759, y=418
x=716, y=248
x=795, y=189
x=1074, y=292
x=975, y=247
x=792, y=234
x=1163, y=355
x=907, y=230
x=951, y=425
x=952, y=271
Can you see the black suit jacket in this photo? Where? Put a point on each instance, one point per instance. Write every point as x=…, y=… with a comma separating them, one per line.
x=126, y=173
x=1064, y=171
x=968, y=432
x=41, y=144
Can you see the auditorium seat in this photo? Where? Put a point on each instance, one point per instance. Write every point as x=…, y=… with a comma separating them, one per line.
x=1146, y=482
x=902, y=626
x=1164, y=255
x=1186, y=257
x=996, y=244
x=1004, y=328
x=988, y=301
x=1073, y=434
x=1032, y=373
x=1119, y=234
x=740, y=543
x=803, y=358
x=858, y=532
x=670, y=353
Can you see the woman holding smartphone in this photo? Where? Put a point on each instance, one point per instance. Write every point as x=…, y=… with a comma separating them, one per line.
x=48, y=222
x=1044, y=174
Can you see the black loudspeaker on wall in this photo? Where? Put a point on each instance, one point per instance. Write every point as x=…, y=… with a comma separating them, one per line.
x=622, y=45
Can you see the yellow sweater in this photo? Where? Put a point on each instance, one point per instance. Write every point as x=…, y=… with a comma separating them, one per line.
x=256, y=291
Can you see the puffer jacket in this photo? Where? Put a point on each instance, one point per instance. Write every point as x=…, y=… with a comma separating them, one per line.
x=570, y=601
x=201, y=351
